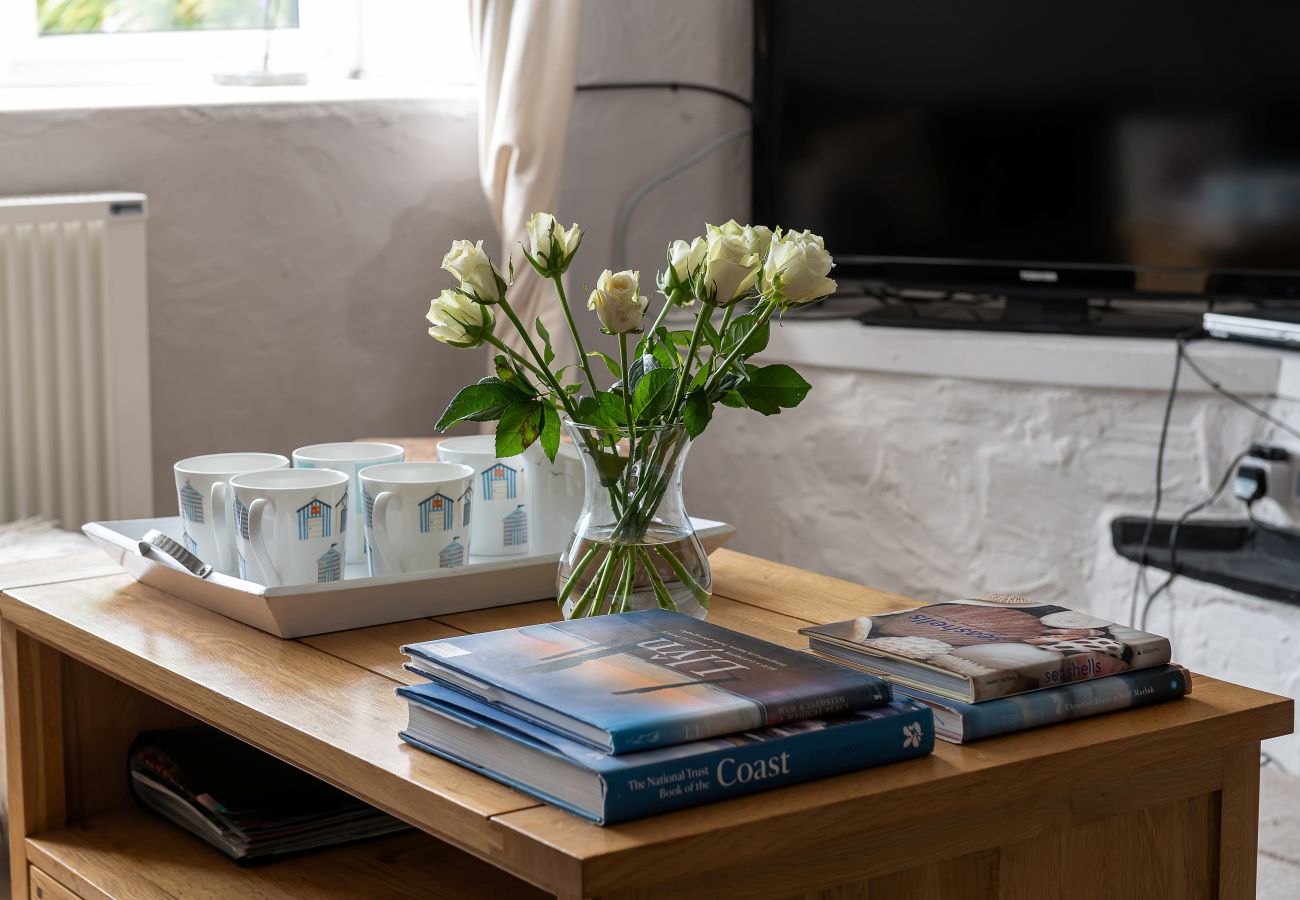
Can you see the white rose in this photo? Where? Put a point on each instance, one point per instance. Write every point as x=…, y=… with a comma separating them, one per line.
x=686, y=258
x=729, y=269
x=617, y=301
x=800, y=263
x=756, y=237
x=470, y=264
x=550, y=244
x=458, y=320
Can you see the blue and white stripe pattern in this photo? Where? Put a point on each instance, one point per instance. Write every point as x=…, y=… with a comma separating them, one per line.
x=316, y=516
x=191, y=504
x=437, y=513
x=515, y=528
x=499, y=481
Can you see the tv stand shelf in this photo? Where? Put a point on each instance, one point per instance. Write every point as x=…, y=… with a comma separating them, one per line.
x=1165, y=797
x=129, y=852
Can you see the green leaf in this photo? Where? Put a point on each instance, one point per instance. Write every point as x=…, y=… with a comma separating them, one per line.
x=520, y=425
x=662, y=350
x=737, y=330
x=605, y=410
x=610, y=466
x=770, y=389
x=480, y=402
x=696, y=413
x=610, y=363
x=550, y=432
x=733, y=399
x=653, y=394
x=548, y=354
x=637, y=369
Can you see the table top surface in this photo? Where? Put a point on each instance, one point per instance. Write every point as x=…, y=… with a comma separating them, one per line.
x=326, y=703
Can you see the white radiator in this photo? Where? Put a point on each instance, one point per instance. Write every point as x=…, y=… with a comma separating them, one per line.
x=74, y=359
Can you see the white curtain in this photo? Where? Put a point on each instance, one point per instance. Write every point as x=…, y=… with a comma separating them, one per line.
x=527, y=53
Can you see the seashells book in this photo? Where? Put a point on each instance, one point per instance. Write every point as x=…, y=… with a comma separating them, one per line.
x=986, y=647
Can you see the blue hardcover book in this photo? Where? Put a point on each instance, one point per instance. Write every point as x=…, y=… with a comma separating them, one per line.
x=960, y=722
x=644, y=679
x=609, y=789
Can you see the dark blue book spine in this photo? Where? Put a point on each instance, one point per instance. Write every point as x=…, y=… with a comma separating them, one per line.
x=760, y=765
x=1071, y=701
x=872, y=692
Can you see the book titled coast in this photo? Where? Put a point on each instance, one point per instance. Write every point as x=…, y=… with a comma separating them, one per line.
x=644, y=679
x=961, y=723
x=991, y=646
x=609, y=789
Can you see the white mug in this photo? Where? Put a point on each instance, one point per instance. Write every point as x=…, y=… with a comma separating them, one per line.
x=296, y=524
x=500, y=524
x=203, y=497
x=555, y=493
x=418, y=516
x=349, y=457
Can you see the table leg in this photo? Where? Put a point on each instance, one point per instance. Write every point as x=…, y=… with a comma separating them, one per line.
x=33, y=725
x=1239, y=823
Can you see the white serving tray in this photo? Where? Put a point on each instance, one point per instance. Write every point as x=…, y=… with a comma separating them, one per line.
x=356, y=601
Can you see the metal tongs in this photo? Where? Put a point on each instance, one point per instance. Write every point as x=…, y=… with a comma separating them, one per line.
x=156, y=541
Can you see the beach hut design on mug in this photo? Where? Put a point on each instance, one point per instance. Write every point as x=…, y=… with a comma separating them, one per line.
x=315, y=519
x=191, y=504
x=241, y=518
x=452, y=555
x=343, y=513
x=500, y=482
x=437, y=513
x=515, y=528
x=368, y=507
x=330, y=565
x=243, y=565
x=465, y=499
x=189, y=542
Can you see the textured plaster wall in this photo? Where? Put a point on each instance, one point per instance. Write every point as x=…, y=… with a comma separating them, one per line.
x=292, y=252
x=940, y=488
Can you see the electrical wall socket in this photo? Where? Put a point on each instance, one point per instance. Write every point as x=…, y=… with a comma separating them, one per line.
x=1271, y=472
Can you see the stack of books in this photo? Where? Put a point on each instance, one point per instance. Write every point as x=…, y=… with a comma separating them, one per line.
x=622, y=716
x=244, y=802
x=998, y=663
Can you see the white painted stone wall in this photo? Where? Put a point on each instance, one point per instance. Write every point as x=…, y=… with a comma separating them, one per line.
x=293, y=246
x=941, y=487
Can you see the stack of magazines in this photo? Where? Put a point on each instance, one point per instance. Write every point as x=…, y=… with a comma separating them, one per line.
x=999, y=663
x=244, y=802
x=621, y=716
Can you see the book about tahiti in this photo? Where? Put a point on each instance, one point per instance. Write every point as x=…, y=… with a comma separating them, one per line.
x=961, y=723
x=644, y=679
x=608, y=789
x=992, y=646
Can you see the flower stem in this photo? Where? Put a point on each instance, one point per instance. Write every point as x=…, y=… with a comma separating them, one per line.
x=730, y=358
x=572, y=581
x=573, y=330
x=683, y=576
x=627, y=411
x=696, y=334
x=661, y=590
x=548, y=377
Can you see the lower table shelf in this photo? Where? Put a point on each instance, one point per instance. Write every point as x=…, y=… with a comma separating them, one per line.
x=129, y=852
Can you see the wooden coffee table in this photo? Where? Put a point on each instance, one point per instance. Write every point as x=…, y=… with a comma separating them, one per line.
x=1158, y=802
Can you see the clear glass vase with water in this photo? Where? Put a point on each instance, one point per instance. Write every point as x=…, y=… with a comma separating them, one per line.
x=633, y=546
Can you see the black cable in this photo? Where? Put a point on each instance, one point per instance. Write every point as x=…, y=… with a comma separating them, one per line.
x=1160, y=478
x=666, y=86
x=1178, y=524
x=1237, y=398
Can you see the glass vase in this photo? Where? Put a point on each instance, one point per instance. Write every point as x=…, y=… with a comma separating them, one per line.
x=633, y=546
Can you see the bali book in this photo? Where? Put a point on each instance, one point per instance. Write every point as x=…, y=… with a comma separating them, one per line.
x=961, y=723
x=988, y=647
x=609, y=789
x=651, y=678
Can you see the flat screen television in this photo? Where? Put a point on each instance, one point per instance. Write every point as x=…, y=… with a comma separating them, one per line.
x=1050, y=152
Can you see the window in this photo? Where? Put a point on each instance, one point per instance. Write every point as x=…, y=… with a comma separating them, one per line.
x=172, y=43
x=123, y=16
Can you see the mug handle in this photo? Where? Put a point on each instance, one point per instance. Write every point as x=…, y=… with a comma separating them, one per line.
x=222, y=527
x=257, y=540
x=383, y=545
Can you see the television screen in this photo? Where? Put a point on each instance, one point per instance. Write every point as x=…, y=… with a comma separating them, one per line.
x=1149, y=147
